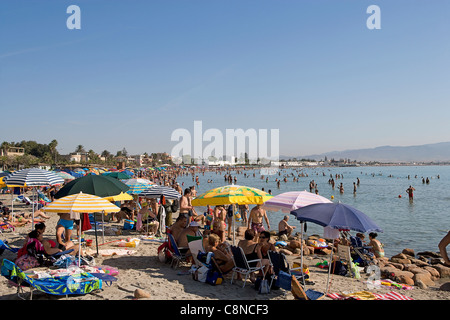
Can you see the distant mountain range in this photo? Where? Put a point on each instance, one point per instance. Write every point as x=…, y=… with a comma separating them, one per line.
x=422, y=153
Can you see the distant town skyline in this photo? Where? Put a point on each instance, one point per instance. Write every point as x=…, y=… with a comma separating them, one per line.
x=136, y=71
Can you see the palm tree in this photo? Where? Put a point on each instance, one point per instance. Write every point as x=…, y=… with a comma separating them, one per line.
x=80, y=148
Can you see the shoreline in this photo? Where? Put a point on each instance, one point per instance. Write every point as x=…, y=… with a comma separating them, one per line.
x=143, y=270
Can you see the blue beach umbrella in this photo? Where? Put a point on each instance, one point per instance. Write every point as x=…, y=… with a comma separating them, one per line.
x=337, y=216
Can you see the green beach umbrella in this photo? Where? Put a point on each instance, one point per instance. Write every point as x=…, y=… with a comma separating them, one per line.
x=102, y=186
x=118, y=175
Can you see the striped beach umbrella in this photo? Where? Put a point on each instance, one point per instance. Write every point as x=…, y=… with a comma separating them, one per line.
x=138, y=185
x=292, y=200
x=81, y=202
x=159, y=191
x=33, y=177
x=231, y=194
x=64, y=175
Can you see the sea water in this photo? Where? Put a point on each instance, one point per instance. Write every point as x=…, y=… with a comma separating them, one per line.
x=419, y=224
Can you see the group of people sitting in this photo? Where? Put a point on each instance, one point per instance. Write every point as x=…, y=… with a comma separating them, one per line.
x=254, y=245
x=36, y=248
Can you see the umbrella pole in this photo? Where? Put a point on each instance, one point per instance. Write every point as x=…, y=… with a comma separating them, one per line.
x=301, y=253
x=32, y=204
x=234, y=226
x=329, y=268
x=79, y=240
x=12, y=204
x=103, y=226
x=95, y=228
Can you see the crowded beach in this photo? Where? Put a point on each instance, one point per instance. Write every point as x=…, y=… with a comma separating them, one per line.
x=191, y=246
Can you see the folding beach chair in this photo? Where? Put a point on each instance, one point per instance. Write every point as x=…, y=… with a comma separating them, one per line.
x=300, y=294
x=176, y=252
x=279, y=263
x=242, y=265
x=360, y=253
x=196, y=246
x=77, y=284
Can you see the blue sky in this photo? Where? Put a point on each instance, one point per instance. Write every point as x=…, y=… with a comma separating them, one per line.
x=137, y=70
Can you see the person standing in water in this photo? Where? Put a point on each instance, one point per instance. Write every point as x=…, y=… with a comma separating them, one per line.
x=410, y=192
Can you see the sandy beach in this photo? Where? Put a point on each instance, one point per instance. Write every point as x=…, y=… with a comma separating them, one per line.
x=142, y=270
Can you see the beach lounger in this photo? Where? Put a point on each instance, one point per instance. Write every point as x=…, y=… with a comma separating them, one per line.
x=6, y=226
x=177, y=255
x=77, y=284
x=5, y=246
x=242, y=265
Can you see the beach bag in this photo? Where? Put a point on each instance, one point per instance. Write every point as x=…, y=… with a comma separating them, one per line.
x=284, y=280
x=339, y=268
x=214, y=277
x=264, y=287
x=174, y=206
x=201, y=274
x=26, y=262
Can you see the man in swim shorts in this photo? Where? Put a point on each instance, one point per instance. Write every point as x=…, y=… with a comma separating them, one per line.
x=255, y=220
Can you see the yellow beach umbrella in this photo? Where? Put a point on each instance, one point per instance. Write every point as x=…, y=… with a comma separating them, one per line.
x=120, y=197
x=231, y=194
x=2, y=184
x=81, y=202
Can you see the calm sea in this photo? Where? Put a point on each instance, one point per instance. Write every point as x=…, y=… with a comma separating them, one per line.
x=419, y=224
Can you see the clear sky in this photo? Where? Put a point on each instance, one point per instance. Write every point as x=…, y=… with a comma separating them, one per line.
x=139, y=69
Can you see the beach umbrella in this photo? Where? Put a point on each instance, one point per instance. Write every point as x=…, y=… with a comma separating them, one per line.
x=337, y=216
x=117, y=175
x=33, y=178
x=64, y=175
x=81, y=203
x=157, y=191
x=231, y=195
x=292, y=200
x=102, y=186
x=5, y=174
x=138, y=185
x=120, y=197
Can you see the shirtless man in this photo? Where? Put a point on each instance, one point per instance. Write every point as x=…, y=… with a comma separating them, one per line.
x=185, y=204
x=284, y=227
x=410, y=192
x=178, y=226
x=255, y=220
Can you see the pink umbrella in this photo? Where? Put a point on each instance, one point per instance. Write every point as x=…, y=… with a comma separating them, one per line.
x=289, y=201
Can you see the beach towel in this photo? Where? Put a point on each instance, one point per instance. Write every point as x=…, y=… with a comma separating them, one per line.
x=366, y=295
